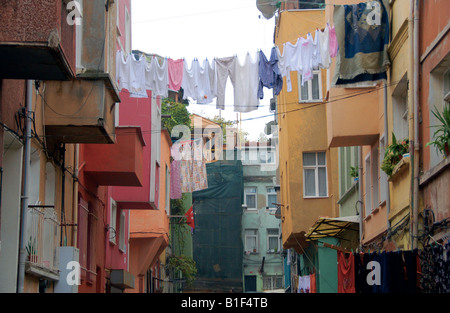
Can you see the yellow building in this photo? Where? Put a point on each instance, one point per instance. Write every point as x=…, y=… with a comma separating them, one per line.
x=366, y=118
x=307, y=166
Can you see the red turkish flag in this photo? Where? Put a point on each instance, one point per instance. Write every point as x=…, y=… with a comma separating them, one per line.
x=190, y=217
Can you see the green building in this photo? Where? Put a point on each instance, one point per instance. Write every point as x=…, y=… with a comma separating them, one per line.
x=261, y=229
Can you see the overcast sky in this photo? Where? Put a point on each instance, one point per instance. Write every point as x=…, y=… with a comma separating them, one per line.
x=206, y=29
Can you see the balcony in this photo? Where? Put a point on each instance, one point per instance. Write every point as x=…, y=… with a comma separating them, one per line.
x=36, y=41
x=148, y=238
x=353, y=116
x=119, y=164
x=80, y=111
x=42, y=242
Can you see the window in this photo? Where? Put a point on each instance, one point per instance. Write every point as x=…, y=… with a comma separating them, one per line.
x=315, y=175
x=311, y=4
x=79, y=38
x=127, y=31
x=273, y=282
x=112, y=221
x=122, y=233
x=86, y=238
x=439, y=96
x=250, y=198
x=383, y=176
x=400, y=111
x=348, y=158
x=311, y=91
x=273, y=240
x=266, y=156
x=271, y=198
x=375, y=177
x=367, y=186
x=251, y=240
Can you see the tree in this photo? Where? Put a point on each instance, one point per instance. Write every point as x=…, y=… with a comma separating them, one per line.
x=179, y=114
x=224, y=124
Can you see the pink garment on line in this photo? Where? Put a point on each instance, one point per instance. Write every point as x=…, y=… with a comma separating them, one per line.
x=176, y=68
x=333, y=42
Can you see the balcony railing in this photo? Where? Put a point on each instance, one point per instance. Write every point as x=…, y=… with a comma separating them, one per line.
x=42, y=240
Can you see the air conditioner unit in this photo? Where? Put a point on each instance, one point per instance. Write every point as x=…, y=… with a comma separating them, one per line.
x=273, y=105
x=66, y=255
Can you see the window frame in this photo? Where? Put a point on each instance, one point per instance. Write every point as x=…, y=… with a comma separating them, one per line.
x=274, y=193
x=310, y=88
x=255, y=194
x=122, y=233
x=316, y=175
x=248, y=236
x=302, y=3
x=113, y=221
x=277, y=236
x=272, y=279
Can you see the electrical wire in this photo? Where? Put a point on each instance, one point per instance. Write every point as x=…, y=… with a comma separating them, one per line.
x=338, y=99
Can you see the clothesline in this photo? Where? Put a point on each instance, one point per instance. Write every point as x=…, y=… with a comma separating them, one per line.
x=205, y=81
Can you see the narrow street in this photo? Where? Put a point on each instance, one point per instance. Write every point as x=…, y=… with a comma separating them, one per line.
x=226, y=153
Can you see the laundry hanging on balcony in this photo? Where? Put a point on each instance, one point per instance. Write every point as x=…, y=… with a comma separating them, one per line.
x=362, y=31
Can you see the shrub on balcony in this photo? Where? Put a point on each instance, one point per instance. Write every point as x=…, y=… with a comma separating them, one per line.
x=394, y=153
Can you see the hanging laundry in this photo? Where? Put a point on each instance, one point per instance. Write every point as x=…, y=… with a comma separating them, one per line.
x=199, y=175
x=304, y=284
x=137, y=85
x=334, y=46
x=290, y=61
x=361, y=272
x=190, y=217
x=204, y=93
x=435, y=268
x=306, y=58
x=324, y=46
x=122, y=70
x=190, y=80
x=246, y=85
x=313, y=283
x=346, y=272
x=410, y=259
x=362, y=55
x=192, y=168
x=186, y=168
x=225, y=67
x=316, y=58
x=213, y=78
x=176, y=70
x=175, y=173
x=157, y=77
x=269, y=73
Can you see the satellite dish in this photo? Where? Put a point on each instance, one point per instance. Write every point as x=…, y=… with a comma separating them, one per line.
x=267, y=7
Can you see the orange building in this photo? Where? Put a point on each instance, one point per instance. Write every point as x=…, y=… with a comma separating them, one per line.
x=149, y=229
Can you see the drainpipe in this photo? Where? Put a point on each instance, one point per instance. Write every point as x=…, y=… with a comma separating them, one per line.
x=25, y=191
x=415, y=211
x=360, y=196
x=63, y=240
x=75, y=197
x=386, y=143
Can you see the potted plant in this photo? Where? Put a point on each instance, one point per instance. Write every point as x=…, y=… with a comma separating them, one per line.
x=31, y=250
x=394, y=153
x=354, y=172
x=441, y=136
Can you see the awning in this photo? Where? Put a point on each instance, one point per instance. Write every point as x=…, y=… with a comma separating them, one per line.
x=332, y=227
